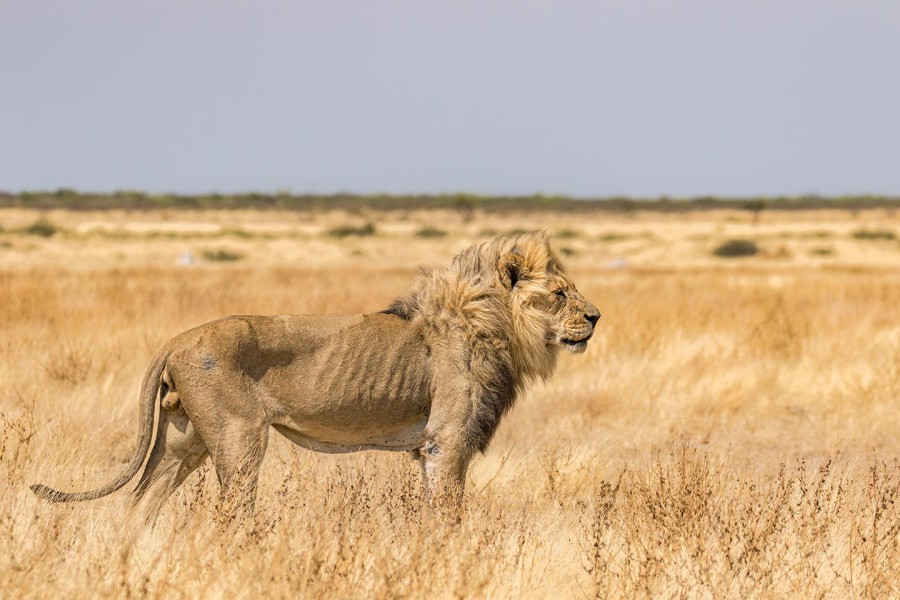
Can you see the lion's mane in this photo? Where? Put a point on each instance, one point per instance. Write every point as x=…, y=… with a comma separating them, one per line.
x=504, y=342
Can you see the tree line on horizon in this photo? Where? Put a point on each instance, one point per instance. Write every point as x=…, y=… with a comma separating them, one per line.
x=69, y=199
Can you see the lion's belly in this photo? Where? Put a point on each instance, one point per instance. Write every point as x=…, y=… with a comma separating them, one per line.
x=368, y=385
x=358, y=420
x=335, y=442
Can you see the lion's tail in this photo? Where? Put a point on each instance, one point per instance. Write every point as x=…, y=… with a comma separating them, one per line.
x=149, y=391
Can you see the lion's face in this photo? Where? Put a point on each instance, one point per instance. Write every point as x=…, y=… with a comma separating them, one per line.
x=548, y=294
x=572, y=318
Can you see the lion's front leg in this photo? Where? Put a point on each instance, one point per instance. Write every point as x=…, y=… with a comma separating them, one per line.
x=458, y=424
x=444, y=469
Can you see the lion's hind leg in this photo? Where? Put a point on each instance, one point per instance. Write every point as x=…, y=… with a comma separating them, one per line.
x=177, y=453
x=237, y=456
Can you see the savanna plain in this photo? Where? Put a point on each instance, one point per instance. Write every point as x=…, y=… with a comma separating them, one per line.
x=731, y=432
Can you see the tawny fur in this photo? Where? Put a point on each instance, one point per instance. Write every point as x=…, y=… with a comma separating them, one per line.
x=433, y=374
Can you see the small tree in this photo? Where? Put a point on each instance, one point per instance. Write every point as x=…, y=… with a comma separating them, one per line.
x=755, y=207
x=465, y=204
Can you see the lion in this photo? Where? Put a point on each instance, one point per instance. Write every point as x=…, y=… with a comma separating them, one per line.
x=433, y=374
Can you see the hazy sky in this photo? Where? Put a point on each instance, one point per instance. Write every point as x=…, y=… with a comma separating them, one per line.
x=677, y=97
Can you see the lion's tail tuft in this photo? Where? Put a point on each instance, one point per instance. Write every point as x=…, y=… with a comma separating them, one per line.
x=50, y=495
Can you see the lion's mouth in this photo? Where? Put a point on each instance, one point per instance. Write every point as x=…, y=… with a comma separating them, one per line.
x=573, y=342
x=576, y=345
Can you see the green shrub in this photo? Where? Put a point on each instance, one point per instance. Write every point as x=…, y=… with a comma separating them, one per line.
x=430, y=232
x=348, y=231
x=736, y=249
x=222, y=255
x=41, y=228
x=874, y=234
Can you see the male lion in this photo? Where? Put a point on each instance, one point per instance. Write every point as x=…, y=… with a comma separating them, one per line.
x=432, y=374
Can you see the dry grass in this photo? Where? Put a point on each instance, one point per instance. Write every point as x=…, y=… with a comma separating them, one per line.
x=732, y=432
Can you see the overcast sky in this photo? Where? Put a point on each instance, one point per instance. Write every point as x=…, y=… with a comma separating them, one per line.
x=593, y=98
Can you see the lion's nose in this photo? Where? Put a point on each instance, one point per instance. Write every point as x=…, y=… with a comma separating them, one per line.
x=593, y=318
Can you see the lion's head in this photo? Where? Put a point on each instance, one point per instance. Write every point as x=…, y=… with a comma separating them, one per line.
x=547, y=309
x=551, y=299
x=512, y=288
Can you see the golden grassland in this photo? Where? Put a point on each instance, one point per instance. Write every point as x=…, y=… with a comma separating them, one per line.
x=732, y=431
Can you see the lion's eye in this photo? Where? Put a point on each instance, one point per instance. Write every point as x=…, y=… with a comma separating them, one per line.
x=560, y=293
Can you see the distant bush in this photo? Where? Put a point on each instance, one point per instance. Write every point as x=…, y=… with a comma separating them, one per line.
x=222, y=255
x=41, y=228
x=818, y=235
x=612, y=237
x=566, y=251
x=736, y=249
x=874, y=234
x=430, y=232
x=566, y=234
x=238, y=233
x=348, y=231
x=822, y=251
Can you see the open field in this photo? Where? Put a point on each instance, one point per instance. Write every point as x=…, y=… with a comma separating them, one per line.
x=731, y=432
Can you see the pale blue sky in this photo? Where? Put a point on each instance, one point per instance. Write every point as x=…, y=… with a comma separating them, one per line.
x=643, y=98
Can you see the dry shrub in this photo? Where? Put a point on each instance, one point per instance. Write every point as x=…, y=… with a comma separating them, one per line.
x=70, y=365
x=18, y=427
x=689, y=522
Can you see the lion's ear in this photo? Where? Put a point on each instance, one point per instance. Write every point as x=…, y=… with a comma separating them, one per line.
x=511, y=268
